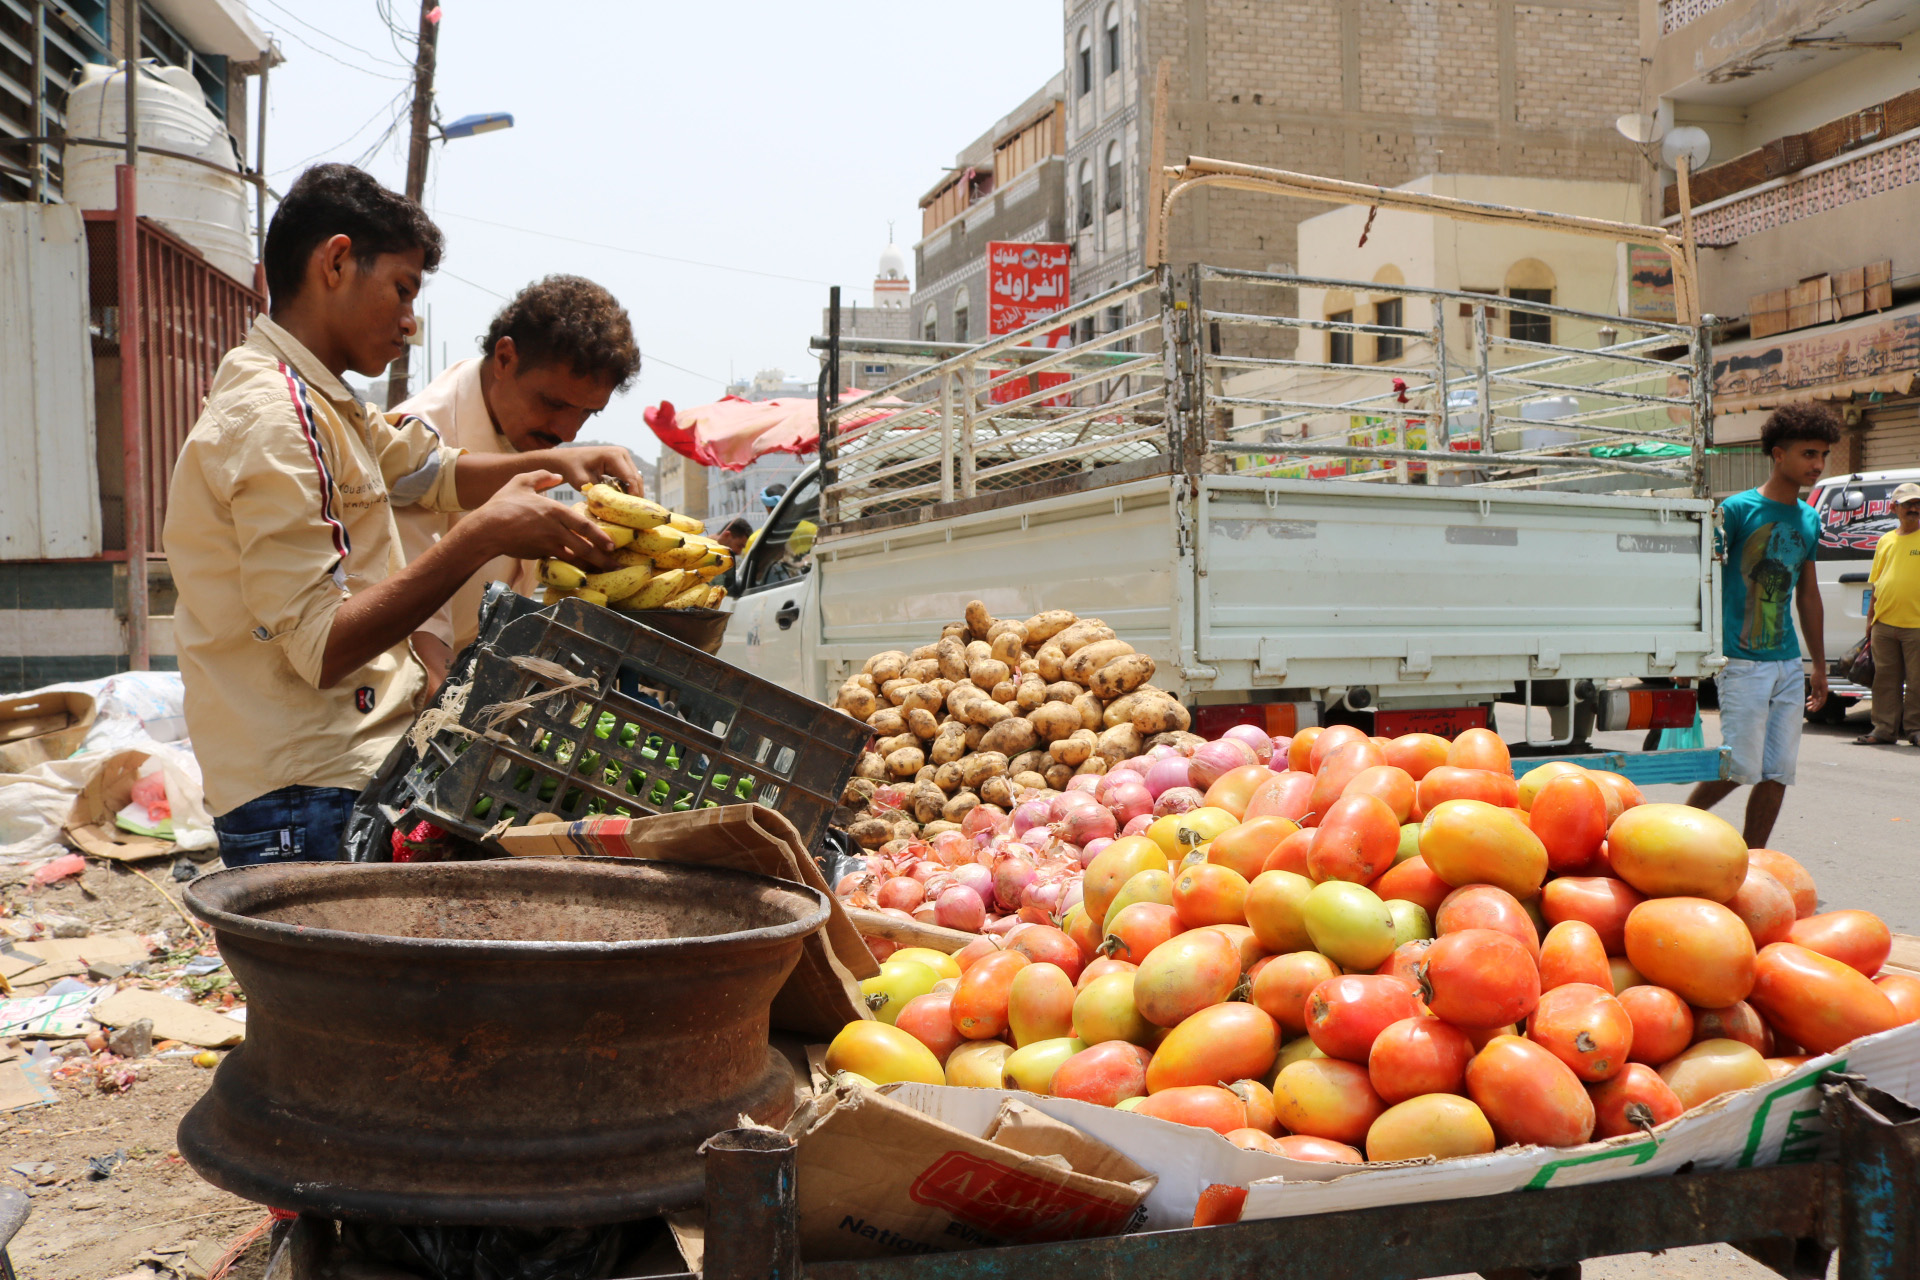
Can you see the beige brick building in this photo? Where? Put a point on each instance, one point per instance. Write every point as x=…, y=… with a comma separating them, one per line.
x=1373, y=90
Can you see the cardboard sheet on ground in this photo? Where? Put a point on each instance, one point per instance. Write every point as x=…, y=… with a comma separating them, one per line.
x=1769, y=1124
x=22, y=1085
x=172, y=1019
x=42, y=726
x=823, y=994
x=66, y=1017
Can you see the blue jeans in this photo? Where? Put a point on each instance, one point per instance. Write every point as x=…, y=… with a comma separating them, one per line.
x=293, y=824
x=1762, y=705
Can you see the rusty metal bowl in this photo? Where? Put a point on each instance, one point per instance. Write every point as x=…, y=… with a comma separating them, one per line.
x=524, y=1041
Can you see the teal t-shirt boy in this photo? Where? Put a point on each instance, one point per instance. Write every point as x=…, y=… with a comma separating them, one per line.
x=1766, y=543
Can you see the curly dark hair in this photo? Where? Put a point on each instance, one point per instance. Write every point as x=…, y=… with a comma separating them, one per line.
x=571, y=319
x=339, y=200
x=1804, y=420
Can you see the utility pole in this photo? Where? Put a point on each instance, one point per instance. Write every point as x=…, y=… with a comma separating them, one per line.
x=133, y=427
x=399, y=370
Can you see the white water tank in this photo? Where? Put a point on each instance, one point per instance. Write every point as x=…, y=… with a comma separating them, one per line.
x=205, y=207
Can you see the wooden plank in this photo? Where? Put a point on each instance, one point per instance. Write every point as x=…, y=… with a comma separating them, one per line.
x=1905, y=954
x=1850, y=291
x=909, y=933
x=1880, y=285
x=1767, y=313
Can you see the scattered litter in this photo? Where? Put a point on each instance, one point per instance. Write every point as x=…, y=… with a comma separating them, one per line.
x=68, y=864
x=172, y=1019
x=184, y=870
x=65, y=926
x=22, y=1085
x=63, y=1017
x=114, y=1077
x=104, y=971
x=200, y=966
x=135, y=1040
x=67, y=987
x=206, y=1058
x=39, y=1172
x=100, y=1168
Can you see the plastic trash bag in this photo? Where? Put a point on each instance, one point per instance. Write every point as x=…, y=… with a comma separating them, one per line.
x=1684, y=739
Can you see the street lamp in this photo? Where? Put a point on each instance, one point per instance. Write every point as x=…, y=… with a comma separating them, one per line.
x=468, y=126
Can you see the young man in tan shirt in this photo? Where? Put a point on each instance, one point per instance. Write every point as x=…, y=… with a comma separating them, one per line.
x=295, y=603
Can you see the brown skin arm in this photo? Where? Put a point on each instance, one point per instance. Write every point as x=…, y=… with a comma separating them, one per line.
x=1813, y=623
x=434, y=655
x=480, y=475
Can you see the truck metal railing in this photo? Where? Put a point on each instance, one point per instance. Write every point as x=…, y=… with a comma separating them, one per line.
x=1628, y=413
x=1007, y=412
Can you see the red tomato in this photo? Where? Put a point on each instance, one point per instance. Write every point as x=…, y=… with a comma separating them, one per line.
x=1481, y=978
x=1570, y=817
x=1816, y=1001
x=1904, y=991
x=980, y=1001
x=1245, y=848
x=1764, y=904
x=1481, y=906
x=1448, y=782
x=1600, y=901
x=1084, y=930
x=1205, y=1106
x=1222, y=1042
x=1796, y=879
x=1585, y=1027
x=1044, y=944
x=1258, y=1100
x=1300, y=750
x=1698, y=949
x=1113, y=866
x=1529, y=1095
x=1254, y=1140
x=1275, y=901
x=1291, y=854
x=1345, y=763
x=1345, y=1014
x=1572, y=953
x=1233, y=790
x=1388, y=783
x=1417, y=753
x=1635, y=1097
x=1040, y=1005
x=1622, y=794
x=1418, y=1055
x=1471, y=842
x=1285, y=795
x=1356, y=840
x=1245, y=941
x=1136, y=930
x=1330, y=740
x=929, y=1019
x=1405, y=962
x=1326, y=1098
x=1857, y=938
x=1412, y=881
x=1103, y=965
x=1737, y=1021
x=1283, y=984
x=1480, y=749
x=1105, y=1074
x=984, y=945
x=1677, y=851
x=1302, y=1146
x=1662, y=1023
x=1205, y=894
x=1184, y=975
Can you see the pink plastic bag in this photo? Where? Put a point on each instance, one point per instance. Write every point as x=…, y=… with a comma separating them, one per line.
x=71, y=864
x=150, y=793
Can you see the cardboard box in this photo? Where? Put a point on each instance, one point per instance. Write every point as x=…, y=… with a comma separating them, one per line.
x=40, y=727
x=877, y=1178
x=90, y=827
x=823, y=994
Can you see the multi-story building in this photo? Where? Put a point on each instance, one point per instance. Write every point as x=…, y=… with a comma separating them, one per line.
x=1007, y=184
x=1806, y=207
x=890, y=316
x=1380, y=91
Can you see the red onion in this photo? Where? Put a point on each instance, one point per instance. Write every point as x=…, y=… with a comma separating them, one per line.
x=1137, y=824
x=1162, y=751
x=1030, y=814
x=1257, y=740
x=1087, y=782
x=975, y=877
x=1045, y=895
x=1089, y=822
x=926, y=913
x=881, y=947
x=1092, y=848
x=924, y=870
x=951, y=848
x=1104, y=783
x=938, y=884
x=1211, y=759
x=1067, y=801
x=1282, y=744
x=1074, y=895
x=1177, y=800
x=1129, y=800
x=888, y=797
x=902, y=893
x=848, y=883
x=960, y=908
x=1002, y=926
x=1169, y=771
x=1034, y=915
x=982, y=817
x=896, y=913
x=1011, y=875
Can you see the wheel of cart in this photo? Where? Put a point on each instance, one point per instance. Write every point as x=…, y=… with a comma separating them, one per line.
x=1791, y=1217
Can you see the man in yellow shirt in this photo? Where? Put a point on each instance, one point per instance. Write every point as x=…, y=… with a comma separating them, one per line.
x=1893, y=622
x=294, y=601
x=552, y=358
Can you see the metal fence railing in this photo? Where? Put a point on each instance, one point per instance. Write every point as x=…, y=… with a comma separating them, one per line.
x=1498, y=409
x=1004, y=413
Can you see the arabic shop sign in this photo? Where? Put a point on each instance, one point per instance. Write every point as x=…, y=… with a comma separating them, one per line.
x=1880, y=353
x=1025, y=283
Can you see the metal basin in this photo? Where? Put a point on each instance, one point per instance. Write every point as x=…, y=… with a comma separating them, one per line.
x=525, y=1041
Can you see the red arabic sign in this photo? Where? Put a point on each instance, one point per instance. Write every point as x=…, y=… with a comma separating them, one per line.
x=1025, y=283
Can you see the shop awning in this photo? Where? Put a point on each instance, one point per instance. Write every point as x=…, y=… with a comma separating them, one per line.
x=1833, y=362
x=731, y=432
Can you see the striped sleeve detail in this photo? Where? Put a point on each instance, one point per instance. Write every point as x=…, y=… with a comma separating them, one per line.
x=418, y=483
x=303, y=413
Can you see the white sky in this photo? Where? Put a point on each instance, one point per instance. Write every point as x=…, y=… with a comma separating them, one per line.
x=774, y=137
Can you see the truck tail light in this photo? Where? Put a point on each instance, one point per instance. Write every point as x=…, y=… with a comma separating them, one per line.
x=1278, y=719
x=1647, y=709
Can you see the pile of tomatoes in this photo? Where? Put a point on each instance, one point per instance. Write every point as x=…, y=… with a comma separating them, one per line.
x=1393, y=949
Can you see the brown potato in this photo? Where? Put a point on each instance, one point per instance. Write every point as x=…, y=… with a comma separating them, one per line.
x=1029, y=666
x=904, y=762
x=974, y=733
x=943, y=687
x=979, y=621
x=1089, y=708
x=922, y=697
x=977, y=651
x=960, y=806
x=888, y=721
x=870, y=833
x=952, y=656
x=939, y=828
x=987, y=713
x=949, y=745
x=997, y=791
x=1010, y=737
x=886, y=666
x=1089, y=658
x=865, y=681
x=1179, y=740
x=1074, y=749
x=947, y=776
x=1033, y=761
x=924, y=651
x=857, y=702
x=1058, y=775
x=1008, y=692
x=1123, y=675
x=921, y=669
x=1120, y=710
x=925, y=774
x=956, y=631
x=1155, y=715
x=871, y=765
x=1093, y=764
x=858, y=792
x=921, y=724
x=1122, y=742
x=989, y=672
x=1029, y=692
x=1049, y=661
x=1054, y=721
x=1009, y=648
x=1063, y=691
x=1030, y=779
x=980, y=766
x=1082, y=633
x=1042, y=626
x=888, y=745
x=895, y=691
x=927, y=802
x=960, y=695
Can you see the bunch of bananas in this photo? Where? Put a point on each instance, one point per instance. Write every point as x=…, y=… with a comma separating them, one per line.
x=664, y=559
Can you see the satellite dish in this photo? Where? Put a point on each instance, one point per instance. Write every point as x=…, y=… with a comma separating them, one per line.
x=1640, y=128
x=1689, y=141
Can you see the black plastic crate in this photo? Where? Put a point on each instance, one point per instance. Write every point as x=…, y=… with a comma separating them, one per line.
x=717, y=736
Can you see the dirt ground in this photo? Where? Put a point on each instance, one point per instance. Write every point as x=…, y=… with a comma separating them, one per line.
x=151, y=1215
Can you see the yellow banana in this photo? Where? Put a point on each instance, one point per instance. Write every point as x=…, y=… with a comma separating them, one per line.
x=591, y=596
x=714, y=596
x=633, y=558
x=692, y=598
x=558, y=573
x=655, y=541
x=686, y=524
x=689, y=556
x=604, y=502
x=617, y=583
x=554, y=595
x=662, y=588
x=711, y=571
x=620, y=534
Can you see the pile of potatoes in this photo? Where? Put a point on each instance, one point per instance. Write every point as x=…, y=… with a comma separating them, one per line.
x=996, y=708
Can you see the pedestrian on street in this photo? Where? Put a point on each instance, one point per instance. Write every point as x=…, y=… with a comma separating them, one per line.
x=552, y=358
x=294, y=603
x=1769, y=538
x=1893, y=625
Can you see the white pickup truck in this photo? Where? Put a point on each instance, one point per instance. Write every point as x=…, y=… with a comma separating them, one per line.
x=1395, y=559
x=1854, y=511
